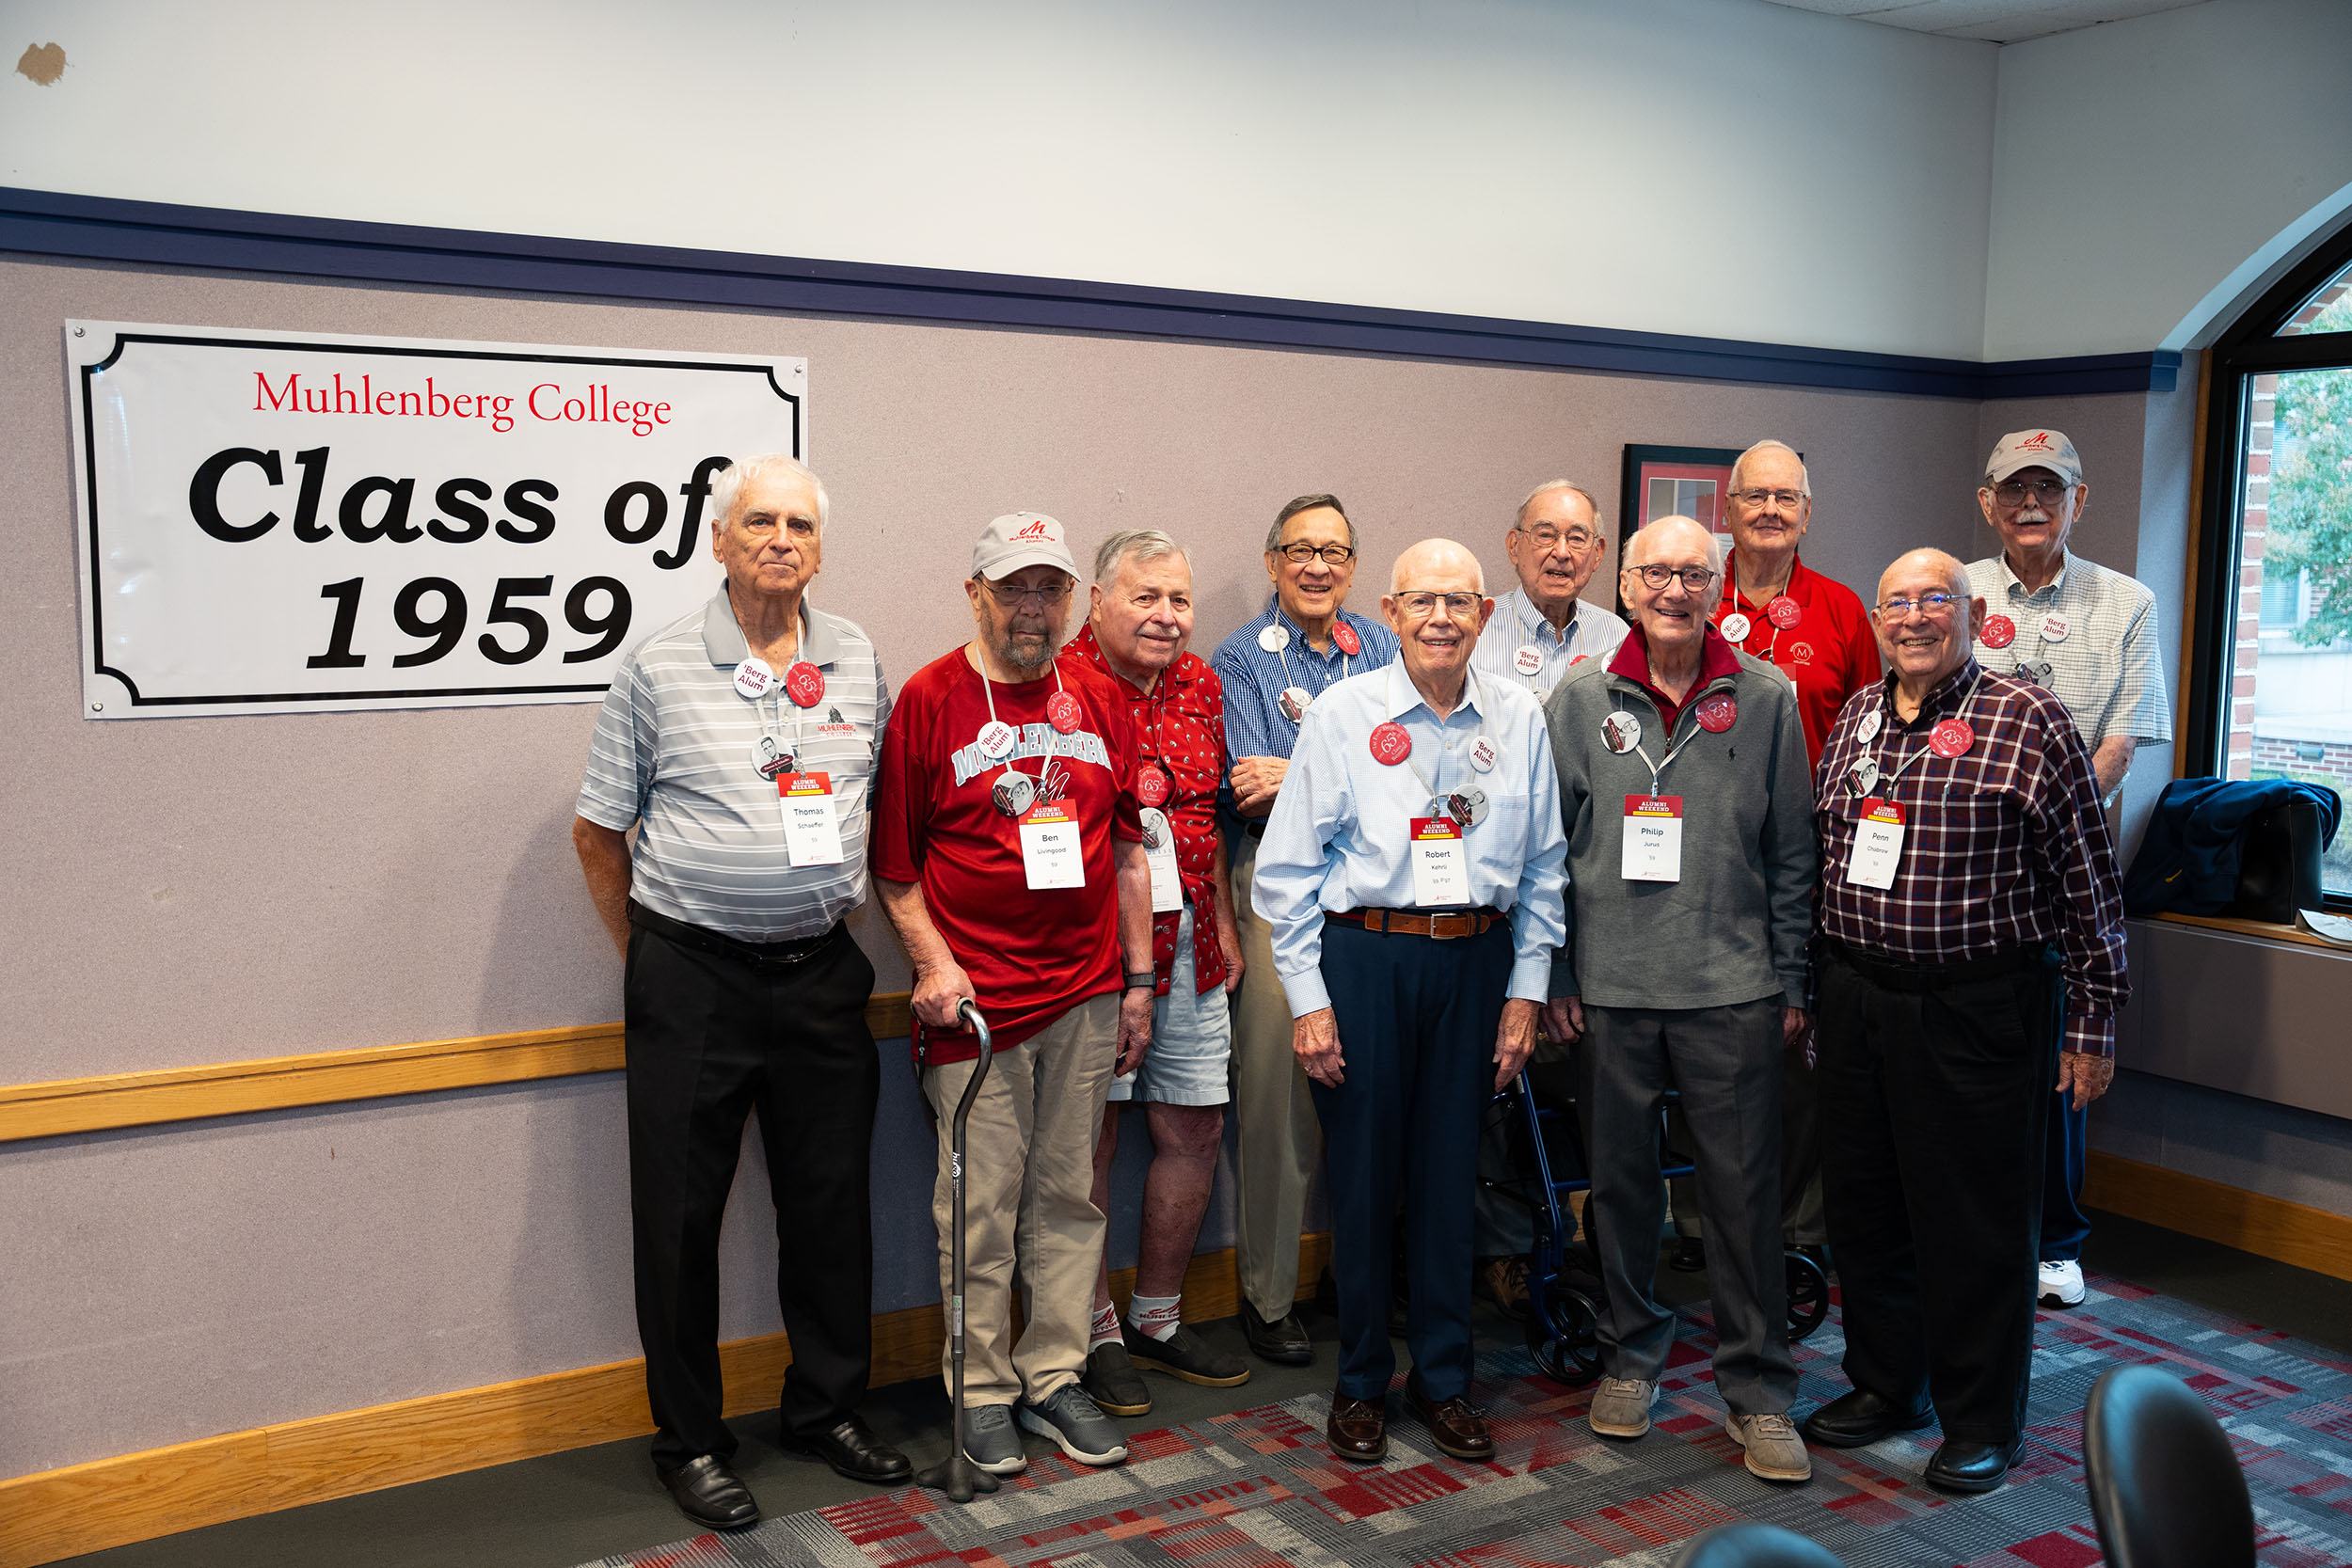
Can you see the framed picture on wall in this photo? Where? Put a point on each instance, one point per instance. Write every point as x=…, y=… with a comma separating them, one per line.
x=1673, y=482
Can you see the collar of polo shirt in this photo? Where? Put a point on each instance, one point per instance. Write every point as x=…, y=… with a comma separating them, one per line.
x=723, y=638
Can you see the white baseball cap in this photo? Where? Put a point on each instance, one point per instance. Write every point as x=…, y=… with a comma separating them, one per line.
x=2033, y=449
x=1020, y=539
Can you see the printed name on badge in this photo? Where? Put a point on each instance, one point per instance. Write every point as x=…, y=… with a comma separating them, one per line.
x=1878, y=845
x=1440, y=869
x=812, y=833
x=1051, y=854
x=1653, y=839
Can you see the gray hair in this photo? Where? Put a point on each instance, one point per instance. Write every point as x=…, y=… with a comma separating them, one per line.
x=1714, y=545
x=1136, y=543
x=1546, y=488
x=1305, y=503
x=729, y=484
x=1805, y=475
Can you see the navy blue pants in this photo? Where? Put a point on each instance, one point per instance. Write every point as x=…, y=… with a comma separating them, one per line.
x=1417, y=1019
x=2063, y=1222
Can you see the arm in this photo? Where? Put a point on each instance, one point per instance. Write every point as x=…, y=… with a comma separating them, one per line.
x=1257, y=772
x=1293, y=864
x=604, y=861
x=1256, y=781
x=1539, y=921
x=1134, y=866
x=2075, y=859
x=941, y=985
x=2111, y=761
x=1227, y=934
x=1791, y=859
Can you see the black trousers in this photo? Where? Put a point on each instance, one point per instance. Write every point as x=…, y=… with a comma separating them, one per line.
x=711, y=1040
x=1933, y=1094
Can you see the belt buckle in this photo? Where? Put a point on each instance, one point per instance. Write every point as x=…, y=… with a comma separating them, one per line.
x=1446, y=927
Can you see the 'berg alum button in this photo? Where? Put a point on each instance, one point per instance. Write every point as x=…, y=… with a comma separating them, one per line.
x=1737, y=627
x=1275, y=638
x=2055, y=627
x=753, y=678
x=1529, y=660
x=996, y=738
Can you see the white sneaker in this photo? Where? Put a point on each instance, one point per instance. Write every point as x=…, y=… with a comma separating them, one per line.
x=2060, y=1285
x=1621, y=1406
x=1775, y=1451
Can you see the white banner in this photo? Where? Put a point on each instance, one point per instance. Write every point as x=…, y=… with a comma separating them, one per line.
x=281, y=522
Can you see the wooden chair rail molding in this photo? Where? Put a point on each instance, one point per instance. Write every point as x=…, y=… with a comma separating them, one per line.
x=274, y=1083
x=139, y=1497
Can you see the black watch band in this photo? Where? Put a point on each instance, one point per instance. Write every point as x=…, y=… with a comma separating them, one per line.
x=1143, y=980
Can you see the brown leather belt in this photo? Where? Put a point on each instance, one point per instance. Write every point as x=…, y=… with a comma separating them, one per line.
x=1440, y=927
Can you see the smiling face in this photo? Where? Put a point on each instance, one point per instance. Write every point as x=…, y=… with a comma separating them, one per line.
x=2035, y=524
x=1674, y=618
x=1437, y=609
x=770, y=545
x=1919, y=646
x=1021, y=617
x=1553, y=574
x=1770, y=526
x=1142, y=617
x=1311, y=589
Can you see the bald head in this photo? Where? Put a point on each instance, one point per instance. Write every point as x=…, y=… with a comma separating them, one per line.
x=1436, y=605
x=1923, y=641
x=1920, y=563
x=1676, y=538
x=1435, y=555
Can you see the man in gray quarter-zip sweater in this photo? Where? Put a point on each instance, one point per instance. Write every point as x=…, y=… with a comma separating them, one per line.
x=1688, y=804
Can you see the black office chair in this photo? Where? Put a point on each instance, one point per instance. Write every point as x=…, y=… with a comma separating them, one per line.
x=1753, y=1545
x=2164, y=1487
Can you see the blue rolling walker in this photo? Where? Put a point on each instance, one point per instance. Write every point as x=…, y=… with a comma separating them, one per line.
x=1564, y=1303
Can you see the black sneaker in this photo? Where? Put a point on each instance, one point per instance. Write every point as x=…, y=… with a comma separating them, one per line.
x=1185, y=1355
x=1112, y=1381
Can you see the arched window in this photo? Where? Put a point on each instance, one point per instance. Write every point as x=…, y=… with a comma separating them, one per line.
x=2271, y=693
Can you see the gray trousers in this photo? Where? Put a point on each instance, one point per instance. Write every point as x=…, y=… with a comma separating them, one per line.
x=1277, y=1144
x=1800, y=1221
x=1725, y=1061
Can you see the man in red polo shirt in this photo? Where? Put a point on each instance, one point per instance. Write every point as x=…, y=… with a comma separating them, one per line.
x=1008, y=854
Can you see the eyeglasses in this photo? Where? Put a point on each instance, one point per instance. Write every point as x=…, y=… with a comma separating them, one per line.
x=1545, y=537
x=2012, y=492
x=1695, y=578
x=1333, y=555
x=1787, y=499
x=1420, y=604
x=1934, y=606
x=1012, y=597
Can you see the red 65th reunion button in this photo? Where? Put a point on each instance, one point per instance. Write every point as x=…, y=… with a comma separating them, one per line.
x=1344, y=635
x=1784, y=612
x=1151, y=785
x=1951, y=739
x=805, y=685
x=1390, y=745
x=1718, y=713
x=1999, y=631
x=1063, y=709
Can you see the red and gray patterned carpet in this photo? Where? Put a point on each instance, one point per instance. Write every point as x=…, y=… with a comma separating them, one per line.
x=1257, y=1489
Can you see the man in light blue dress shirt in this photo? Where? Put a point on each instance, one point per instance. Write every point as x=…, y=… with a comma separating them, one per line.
x=1412, y=875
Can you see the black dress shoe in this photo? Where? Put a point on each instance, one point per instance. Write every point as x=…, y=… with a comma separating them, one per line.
x=1689, y=1255
x=1963, y=1466
x=1284, y=1342
x=852, y=1448
x=1860, y=1419
x=706, y=1492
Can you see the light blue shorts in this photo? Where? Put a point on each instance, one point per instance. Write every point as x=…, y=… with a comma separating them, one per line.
x=1192, y=1035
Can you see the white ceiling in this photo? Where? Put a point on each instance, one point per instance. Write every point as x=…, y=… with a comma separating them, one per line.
x=2000, y=21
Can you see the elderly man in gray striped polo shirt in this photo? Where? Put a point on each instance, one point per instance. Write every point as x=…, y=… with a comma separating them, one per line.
x=740, y=741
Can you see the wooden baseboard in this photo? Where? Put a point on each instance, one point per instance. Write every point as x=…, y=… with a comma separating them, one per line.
x=140, y=1496
x=2252, y=1222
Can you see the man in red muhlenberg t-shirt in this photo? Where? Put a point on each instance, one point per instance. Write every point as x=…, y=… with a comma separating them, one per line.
x=1008, y=852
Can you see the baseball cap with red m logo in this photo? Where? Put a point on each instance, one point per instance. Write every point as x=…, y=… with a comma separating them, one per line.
x=2034, y=448
x=1021, y=539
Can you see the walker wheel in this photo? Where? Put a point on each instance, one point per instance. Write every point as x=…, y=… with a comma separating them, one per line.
x=1809, y=1294
x=1563, y=1334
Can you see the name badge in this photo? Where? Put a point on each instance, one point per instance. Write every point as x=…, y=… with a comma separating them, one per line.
x=1159, y=850
x=812, y=835
x=1653, y=838
x=1878, y=845
x=1051, y=854
x=1440, y=868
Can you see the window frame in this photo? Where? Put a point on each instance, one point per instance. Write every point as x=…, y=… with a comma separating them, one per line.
x=2251, y=346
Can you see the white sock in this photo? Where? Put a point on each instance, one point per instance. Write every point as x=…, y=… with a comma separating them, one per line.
x=1106, y=1328
x=1157, y=1316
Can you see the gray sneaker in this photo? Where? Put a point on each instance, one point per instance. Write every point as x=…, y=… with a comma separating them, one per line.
x=1621, y=1406
x=1077, y=1424
x=991, y=1441
x=1775, y=1451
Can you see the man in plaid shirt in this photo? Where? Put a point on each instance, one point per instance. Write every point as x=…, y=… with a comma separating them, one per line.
x=1970, y=915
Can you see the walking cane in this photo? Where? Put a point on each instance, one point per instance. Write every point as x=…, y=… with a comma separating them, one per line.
x=956, y=1475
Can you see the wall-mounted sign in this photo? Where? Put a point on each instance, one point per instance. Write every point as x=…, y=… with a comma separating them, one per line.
x=280, y=522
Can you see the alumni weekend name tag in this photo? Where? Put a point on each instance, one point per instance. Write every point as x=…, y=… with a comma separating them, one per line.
x=1878, y=845
x=1441, y=870
x=1653, y=838
x=1051, y=855
x=812, y=835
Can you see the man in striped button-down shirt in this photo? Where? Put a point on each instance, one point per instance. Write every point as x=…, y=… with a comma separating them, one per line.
x=743, y=988
x=1969, y=899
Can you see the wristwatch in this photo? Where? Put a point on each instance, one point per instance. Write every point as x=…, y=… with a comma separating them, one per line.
x=1146, y=980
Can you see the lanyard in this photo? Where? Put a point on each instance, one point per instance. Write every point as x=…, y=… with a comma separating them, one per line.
x=988, y=690
x=1868, y=765
x=1740, y=603
x=1657, y=769
x=1283, y=653
x=1440, y=802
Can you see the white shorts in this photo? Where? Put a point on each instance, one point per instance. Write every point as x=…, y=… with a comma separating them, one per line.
x=1192, y=1037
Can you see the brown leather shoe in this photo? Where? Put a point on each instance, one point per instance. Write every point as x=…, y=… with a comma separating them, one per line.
x=1359, y=1429
x=1455, y=1424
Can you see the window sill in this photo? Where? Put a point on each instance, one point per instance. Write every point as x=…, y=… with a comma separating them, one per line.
x=2294, y=935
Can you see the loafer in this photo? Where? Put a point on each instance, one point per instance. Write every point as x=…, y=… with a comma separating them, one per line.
x=991, y=1441
x=1858, y=1418
x=1284, y=1341
x=1185, y=1355
x=1960, y=1465
x=1358, y=1428
x=709, y=1494
x=1621, y=1406
x=1455, y=1425
x=1771, y=1446
x=1112, y=1381
x=1076, y=1424
x=852, y=1448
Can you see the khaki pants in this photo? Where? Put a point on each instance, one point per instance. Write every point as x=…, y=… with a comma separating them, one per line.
x=1028, y=1194
x=1279, y=1142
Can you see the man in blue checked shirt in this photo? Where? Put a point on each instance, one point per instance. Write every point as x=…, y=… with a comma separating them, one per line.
x=1273, y=669
x=1412, y=874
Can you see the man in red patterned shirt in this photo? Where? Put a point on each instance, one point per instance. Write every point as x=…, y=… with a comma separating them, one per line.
x=1140, y=620
x=1968, y=896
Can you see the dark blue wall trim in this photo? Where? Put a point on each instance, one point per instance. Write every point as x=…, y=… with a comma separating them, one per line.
x=45, y=223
